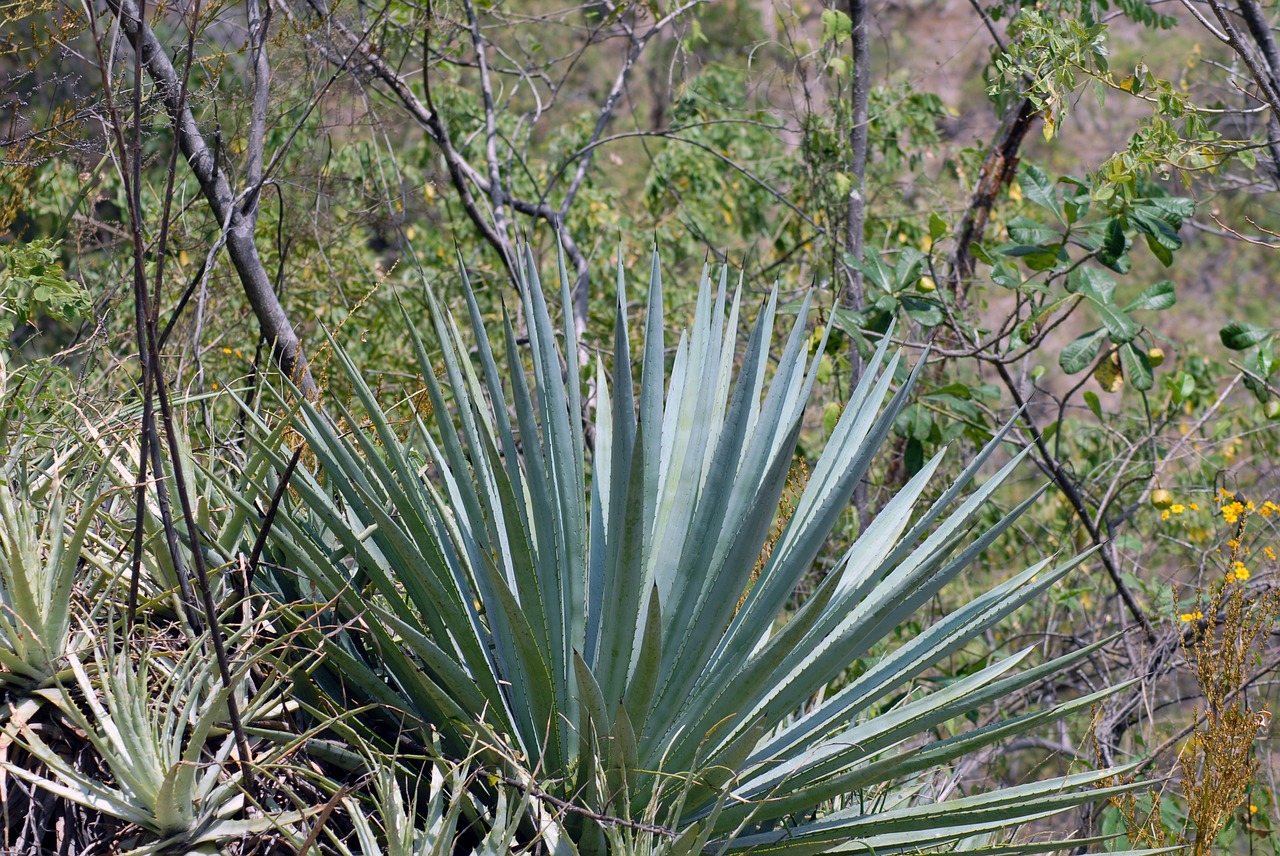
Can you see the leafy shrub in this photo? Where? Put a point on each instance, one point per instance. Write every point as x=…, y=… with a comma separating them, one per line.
x=32, y=283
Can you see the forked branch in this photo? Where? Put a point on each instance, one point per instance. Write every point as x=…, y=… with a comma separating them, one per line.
x=228, y=209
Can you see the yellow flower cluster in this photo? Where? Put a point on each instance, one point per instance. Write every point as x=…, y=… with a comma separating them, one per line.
x=1270, y=554
x=1178, y=508
x=1231, y=511
x=1192, y=616
x=1234, y=508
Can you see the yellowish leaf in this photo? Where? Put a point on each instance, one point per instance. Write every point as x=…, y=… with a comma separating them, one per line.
x=1108, y=374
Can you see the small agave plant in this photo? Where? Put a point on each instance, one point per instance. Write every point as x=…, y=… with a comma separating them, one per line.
x=158, y=724
x=597, y=610
x=415, y=823
x=39, y=558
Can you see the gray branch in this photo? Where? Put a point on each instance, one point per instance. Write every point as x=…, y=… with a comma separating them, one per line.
x=241, y=247
x=261, y=94
x=1260, y=29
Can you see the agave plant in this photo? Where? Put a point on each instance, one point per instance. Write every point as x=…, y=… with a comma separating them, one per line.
x=410, y=823
x=39, y=559
x=601, y=609
x=158, y=723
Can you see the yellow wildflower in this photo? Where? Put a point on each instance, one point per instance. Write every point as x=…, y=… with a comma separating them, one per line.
x=1164, y=515
x=1177, y=508
x=1271, y=554
x=226, y=350
x=1192, y=616
x=1239, y=571
x=1231, y=513
x=1194, y=507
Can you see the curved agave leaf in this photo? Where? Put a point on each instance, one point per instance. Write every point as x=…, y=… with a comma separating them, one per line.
x=600, y=611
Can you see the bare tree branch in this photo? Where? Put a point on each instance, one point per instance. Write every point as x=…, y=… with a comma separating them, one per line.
x=1231, y=36
x=258, y=23
x=492, y=182
x=611, y=100
x=241, y=246
x=998, y=169
x=1260, y=29
x=496, y=194
x=462, y=174
x=1055, y=470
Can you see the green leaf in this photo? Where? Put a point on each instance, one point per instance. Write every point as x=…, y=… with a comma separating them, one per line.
x=924, y=312
x=1115, y=246
x=1024, y=230
x=1080, y=354
x=1159, y=250
x=1260, y=363
x=1157, y=297
x=1241, y=335
x=1172, y=209
x=1137, y=368
x=875, y=270
x=1120, y=327
x=836, y=26
x=937, y=226
x=1092, y=401
x=1093, y=283
x=1035, y=256
x=1037, y=188
x=1162, y=237
x=1099, y=289
x=907, y=270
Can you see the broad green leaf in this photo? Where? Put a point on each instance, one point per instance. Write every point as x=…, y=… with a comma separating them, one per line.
x=1241, y=335
x=1120, y=327
x=1137, y=368
x=1157, y=297
x=1080, y=354
x=937, y=227
x=876, y=271
x=1037, y=188
x=1114, y=243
